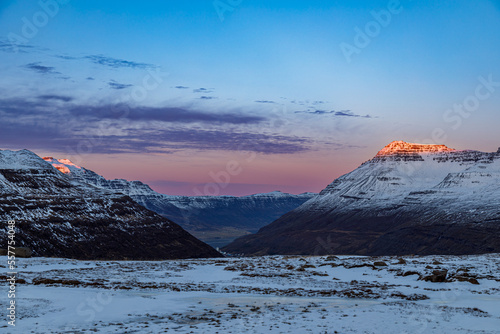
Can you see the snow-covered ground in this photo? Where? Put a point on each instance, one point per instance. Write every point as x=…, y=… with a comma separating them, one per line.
x=275, y=294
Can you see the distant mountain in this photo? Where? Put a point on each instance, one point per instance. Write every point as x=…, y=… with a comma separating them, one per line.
x=57, y=216
x=408, y=199
x=216, y=220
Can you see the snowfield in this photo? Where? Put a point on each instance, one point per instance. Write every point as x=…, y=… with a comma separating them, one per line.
x=273, y=294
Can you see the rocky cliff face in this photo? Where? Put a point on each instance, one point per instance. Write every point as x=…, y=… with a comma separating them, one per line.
x=216, y=220
x=57, y=216
x=408, y=199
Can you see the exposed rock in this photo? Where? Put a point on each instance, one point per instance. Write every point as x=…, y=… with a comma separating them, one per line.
x=438, y=276
x=48, y=281
x=464, y=276
x=401, y=149
x=471, y=280
x=380, y=264
x=347, y=266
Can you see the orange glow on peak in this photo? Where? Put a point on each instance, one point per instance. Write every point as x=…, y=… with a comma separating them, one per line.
x=61, y=164
x=62, y=169
x=401, y=147
x=68, y=163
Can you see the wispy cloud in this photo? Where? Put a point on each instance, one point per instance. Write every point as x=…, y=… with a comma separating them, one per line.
x=348, y=113
x=64, y=137
x=163, y=114
x=207, y=98
x=203, y=90
x=181, y=87
x=9, y=108
x=56, y=98
x=66, y=57
x=340, y=113
x=46, y=124
x=49, y=125
x=118, y=63
x=88, y=113
x=7, y=46
x=264, y=101
x=116, y=85
x=42, y=69
x=198, y=139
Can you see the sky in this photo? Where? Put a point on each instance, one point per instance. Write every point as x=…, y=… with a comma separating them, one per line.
x=235, y=97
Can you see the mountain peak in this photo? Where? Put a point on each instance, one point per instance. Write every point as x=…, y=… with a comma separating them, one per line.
x=63, y=165
x=22, y=159
x=402, y=147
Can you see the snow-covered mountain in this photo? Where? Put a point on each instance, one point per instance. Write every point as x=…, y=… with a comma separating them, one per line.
x=57, y=216
x=216, y=220
x=86, y=176
x=408, y=199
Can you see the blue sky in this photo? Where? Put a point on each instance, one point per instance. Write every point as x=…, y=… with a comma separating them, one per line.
x=270, y=78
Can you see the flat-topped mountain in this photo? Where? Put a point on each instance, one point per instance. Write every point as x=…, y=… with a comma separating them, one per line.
x=408, y=199
x=56, y=216
x=401, y=148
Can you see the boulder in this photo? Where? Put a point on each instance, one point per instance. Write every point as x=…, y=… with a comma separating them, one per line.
x=465, y=277
x=471, y=280
x=437, y=276
x=380, y=264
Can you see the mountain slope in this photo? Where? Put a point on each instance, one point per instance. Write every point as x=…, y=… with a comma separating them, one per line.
x=408, y=199
x=56, y=216
x=216, y=220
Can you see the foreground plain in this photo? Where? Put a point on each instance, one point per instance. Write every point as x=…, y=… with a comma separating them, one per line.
x=273, y=294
